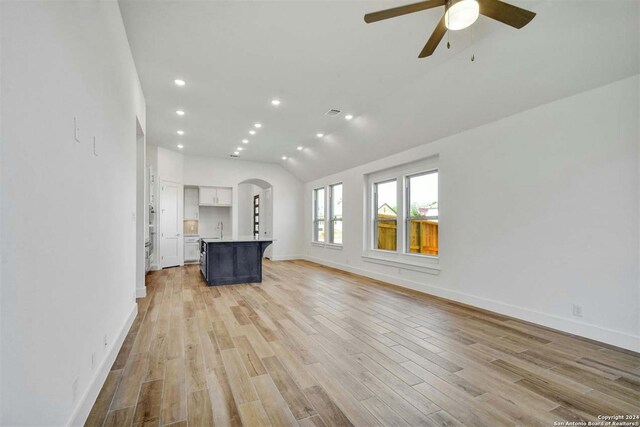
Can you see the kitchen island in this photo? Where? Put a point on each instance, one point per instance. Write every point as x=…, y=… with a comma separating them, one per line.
x=226, y=261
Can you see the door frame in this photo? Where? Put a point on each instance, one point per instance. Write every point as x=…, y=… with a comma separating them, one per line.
x=180, y=223
x=140, y=212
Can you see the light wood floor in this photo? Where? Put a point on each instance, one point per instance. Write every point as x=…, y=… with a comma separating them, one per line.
x=314, y=346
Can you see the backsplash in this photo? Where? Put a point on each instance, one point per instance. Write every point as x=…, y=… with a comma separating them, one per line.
x=190, y=227
x=210, y=217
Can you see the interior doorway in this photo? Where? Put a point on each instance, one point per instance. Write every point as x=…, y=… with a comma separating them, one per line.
x=255, y=210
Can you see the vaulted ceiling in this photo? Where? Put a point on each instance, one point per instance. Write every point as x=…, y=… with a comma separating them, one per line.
x=237, y=56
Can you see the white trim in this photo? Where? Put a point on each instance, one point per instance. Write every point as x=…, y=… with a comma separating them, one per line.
x=422, y=268
x=83, y=408
x=334, y=246
x=287, y=257
x=570, y=326
x=141, y=292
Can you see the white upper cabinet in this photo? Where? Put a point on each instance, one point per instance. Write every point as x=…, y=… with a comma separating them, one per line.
x=224, y=196
x=215, y=196
x=191, y=208
x=207, y=196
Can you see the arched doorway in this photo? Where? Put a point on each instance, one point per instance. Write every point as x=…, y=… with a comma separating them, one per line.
x=255, y=210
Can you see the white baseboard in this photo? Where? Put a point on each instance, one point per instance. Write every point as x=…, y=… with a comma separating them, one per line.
x=287, y=257
x=571, y=326
x=141, y=292
x=81, y=412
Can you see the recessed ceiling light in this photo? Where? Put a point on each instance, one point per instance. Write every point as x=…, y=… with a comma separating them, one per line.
x=236, y=152
x=319, y=135
x=180, y=146
x=300, y=148
x=349, y=116
x=258, y=125
x=245, y=141
x=284, y=157
x=180, y=132
x=252, y=132
x=180, y=112
x=275, y=102
x=179, y=82
x=239, y=148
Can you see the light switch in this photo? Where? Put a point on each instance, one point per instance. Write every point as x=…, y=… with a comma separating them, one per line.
x=76, y=129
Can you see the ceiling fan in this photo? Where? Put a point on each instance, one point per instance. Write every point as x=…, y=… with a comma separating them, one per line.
x=458, y=14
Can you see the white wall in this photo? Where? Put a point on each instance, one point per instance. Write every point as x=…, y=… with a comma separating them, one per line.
x=170, y=166
x=213, y=171
x=2, y=256
x=538, y=211
x=68, y=225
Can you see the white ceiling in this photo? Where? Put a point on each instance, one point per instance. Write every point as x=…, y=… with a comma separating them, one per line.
x=237, y=56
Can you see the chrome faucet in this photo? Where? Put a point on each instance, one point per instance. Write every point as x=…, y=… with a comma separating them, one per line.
x=221, y=227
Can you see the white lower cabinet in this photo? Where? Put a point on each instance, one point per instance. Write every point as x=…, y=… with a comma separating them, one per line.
x=191, y=249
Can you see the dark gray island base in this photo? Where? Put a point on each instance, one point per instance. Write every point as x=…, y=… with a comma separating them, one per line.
x=229, y=261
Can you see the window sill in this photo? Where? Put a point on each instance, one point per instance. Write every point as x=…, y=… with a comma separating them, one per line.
x=419, y=263
x=334, y=246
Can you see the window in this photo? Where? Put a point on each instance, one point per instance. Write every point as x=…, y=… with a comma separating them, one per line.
x=386, y=215
x=335, y=214
x=403, y=216
x=422, y=213
x=318, y=215
x=327, y=215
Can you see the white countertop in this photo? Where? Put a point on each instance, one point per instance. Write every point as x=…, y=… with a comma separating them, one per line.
x=237, y=239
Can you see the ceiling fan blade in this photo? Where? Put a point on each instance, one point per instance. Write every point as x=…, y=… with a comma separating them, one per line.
x=506, y=13
x=402, y=10
x=434, y=40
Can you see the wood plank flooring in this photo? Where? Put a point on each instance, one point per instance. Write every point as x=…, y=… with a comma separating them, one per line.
x=313, y=346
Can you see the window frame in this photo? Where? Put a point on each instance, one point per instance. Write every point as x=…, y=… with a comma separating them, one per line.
x=408, y=218
x=401, y=257
x=331, y=218
x=316, y=221
x=374, y=213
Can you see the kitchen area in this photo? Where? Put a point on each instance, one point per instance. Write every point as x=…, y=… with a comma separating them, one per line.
x=204, y=205
x=207, y=214
x=206, y=232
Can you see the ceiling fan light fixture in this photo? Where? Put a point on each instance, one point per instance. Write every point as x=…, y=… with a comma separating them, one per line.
x=461, y=14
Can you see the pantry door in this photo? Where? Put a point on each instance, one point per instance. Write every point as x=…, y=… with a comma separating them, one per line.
x=171, y=239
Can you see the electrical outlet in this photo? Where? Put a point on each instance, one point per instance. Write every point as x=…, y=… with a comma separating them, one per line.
x=95, y=146
x=577, y=310
x=74, y=390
